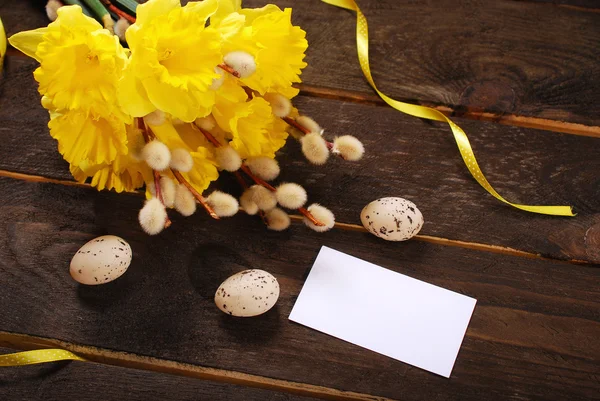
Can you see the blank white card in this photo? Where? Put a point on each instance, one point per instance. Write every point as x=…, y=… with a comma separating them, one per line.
x=384, y=311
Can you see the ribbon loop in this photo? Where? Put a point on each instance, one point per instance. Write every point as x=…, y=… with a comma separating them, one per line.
x=362, y=46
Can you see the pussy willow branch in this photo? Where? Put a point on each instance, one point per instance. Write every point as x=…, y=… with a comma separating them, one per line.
x=157, y=189
x=245, y=186
x=118, y=11
x=149, y=135
x=258, y=180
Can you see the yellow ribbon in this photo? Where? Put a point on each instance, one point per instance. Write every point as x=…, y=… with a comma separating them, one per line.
x=362, y=45
x=37, y=356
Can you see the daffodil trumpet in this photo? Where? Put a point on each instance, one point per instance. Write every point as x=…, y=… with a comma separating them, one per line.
x=201, y=88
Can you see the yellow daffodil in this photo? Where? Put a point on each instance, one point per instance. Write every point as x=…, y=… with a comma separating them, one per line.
x=88, y=137
x=248, y=124
x=268, y=35
x=80, y=62
x=173, y=60
x=126, y=173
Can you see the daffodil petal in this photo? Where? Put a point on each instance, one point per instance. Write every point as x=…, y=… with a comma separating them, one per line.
x=28, y=41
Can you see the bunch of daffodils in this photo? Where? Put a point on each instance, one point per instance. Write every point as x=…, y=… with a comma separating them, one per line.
x=201, y=89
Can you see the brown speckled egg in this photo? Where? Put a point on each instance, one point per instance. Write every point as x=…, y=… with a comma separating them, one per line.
x=247, y=293
x=101, y=260
x=393, y=219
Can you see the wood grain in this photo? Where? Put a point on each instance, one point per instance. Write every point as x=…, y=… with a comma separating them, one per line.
x=405, y=157
x=84, y=381
x=476, y=57
x=533, y=333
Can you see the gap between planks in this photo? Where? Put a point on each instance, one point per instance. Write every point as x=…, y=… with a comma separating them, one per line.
x=504, y=119
x=341, y=226
x=25, y=342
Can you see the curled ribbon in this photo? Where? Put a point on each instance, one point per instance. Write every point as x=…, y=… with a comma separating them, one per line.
x=362, y=46
x=38, y=356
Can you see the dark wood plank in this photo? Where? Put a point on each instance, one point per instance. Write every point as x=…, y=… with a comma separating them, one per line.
x=83, y=381
x=585, y=5
x=502, y=57
x=405, y=157
x=533, y=334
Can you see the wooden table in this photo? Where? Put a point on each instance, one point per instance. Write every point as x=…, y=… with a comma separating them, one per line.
x=521, y=77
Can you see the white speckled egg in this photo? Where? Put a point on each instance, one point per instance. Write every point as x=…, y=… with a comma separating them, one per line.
x=101, y=260
x=393, y=219
x=247, y=293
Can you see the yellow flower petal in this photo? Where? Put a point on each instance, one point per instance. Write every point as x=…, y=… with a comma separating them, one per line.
x=147, y=12
x=174, y=57
x=80, y=63
x=132, y=95
x=28, y=41
x=96, y=139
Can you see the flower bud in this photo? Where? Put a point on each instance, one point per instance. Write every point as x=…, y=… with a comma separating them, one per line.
x=52, y=9
x=181, y=160
x=242, y=62
x=185, y=203
x=120, y=28
x=167, y=190
x=291, y=195
x=152, y=216
x=309, y=124
x=263, y=167
x=314, y=148
x=277, y=219
x=246, y=202
x=228, y=158
x=223, y=204
x=217, y=82
x=264, y=198
x=348, y=147
x=280, y=104
x=157, y=155
x=323, y=215
x=156, y=118
x=207, y=123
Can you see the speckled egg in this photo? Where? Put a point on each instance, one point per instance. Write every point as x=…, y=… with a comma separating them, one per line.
x=393, y=219
x=101, y=260
x=247, y=293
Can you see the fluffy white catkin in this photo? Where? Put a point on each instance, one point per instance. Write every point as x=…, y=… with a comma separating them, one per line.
x=223, y=204
x=185, y=203
x=241, y=62
x=323, y=215
x=152, y=216
x=309, y=124
x=181, y=160
x=228, y=158
x=157, y=117
x=291, y=195
x=349, y=147
x=157, y=155
x=247, y=202
x=264, y=198
x=120, y=28
x=314, y=148
x=207, y=123
x=277, y=219
x=280, y=104
x=217, y=82
x=168, y=189
x=263, y=167
x=52, y=9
